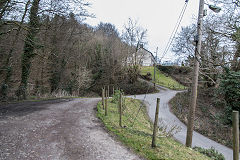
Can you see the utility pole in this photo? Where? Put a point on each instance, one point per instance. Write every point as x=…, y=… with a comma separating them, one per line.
x=235, y=135
x=136, y=53
x=192, y=108
x=155, y=63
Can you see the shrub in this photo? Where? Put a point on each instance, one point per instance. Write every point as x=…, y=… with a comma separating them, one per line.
x=212, y=153
x=132, y=73
x=230, y=89
x=136, y=88
x=147, y=77
x=116, y=96
x=174, y=69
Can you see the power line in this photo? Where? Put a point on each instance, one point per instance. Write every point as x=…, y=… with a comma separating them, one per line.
x=175, y=29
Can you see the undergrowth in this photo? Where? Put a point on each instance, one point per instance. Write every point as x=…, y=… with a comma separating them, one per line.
x=209, y=121
x=212, y=153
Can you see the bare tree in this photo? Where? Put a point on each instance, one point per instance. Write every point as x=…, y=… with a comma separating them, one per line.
x=134, y=35
x=56, y=51
x=8, y=64
x=219, y=46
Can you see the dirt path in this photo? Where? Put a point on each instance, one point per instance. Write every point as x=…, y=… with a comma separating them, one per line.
x=56, y=130
x=169, y=119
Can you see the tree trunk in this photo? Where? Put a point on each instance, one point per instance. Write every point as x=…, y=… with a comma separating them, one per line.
x=8, y=65
x=28, y=51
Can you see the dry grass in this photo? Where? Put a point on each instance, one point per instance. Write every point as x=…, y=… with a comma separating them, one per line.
x=207, y=119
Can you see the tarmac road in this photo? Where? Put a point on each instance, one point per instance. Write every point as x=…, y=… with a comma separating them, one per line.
x=61, y=129
x=169, y=119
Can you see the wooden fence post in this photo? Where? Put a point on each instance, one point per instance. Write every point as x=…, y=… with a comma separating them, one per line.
x=106, y=106
x=154, y=77
x=155, y=127
x=103, y=97
x=113, y=91
x=120, y=110
x=106, y=91
x=235, y=135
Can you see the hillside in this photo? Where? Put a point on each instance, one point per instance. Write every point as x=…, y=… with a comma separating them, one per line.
x=179, y=73
x=64, y=57
x=209, y=115
x=210, y=107
x=212, y=120
x=162, y=78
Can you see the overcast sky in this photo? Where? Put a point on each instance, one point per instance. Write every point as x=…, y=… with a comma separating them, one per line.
x=157, y=16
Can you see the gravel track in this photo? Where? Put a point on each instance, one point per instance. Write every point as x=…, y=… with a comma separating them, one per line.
x=65, y=129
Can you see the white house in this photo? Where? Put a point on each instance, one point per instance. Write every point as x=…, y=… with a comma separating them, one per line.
x=145, y=57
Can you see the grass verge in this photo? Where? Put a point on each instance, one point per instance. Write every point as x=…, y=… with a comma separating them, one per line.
x=139, y=136
x=161, y=79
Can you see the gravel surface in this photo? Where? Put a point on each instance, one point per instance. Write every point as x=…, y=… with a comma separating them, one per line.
x=57, y=130
x=169, y=119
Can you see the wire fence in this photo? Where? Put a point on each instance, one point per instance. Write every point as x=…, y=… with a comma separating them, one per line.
x=129, y=115
x=133, y=112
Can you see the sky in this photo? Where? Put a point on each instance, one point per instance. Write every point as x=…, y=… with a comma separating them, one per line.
x=157, y=16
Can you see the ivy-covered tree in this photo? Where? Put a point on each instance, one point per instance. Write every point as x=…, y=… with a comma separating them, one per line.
x=8, y=63
x=29, y=46
x=230, y=88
